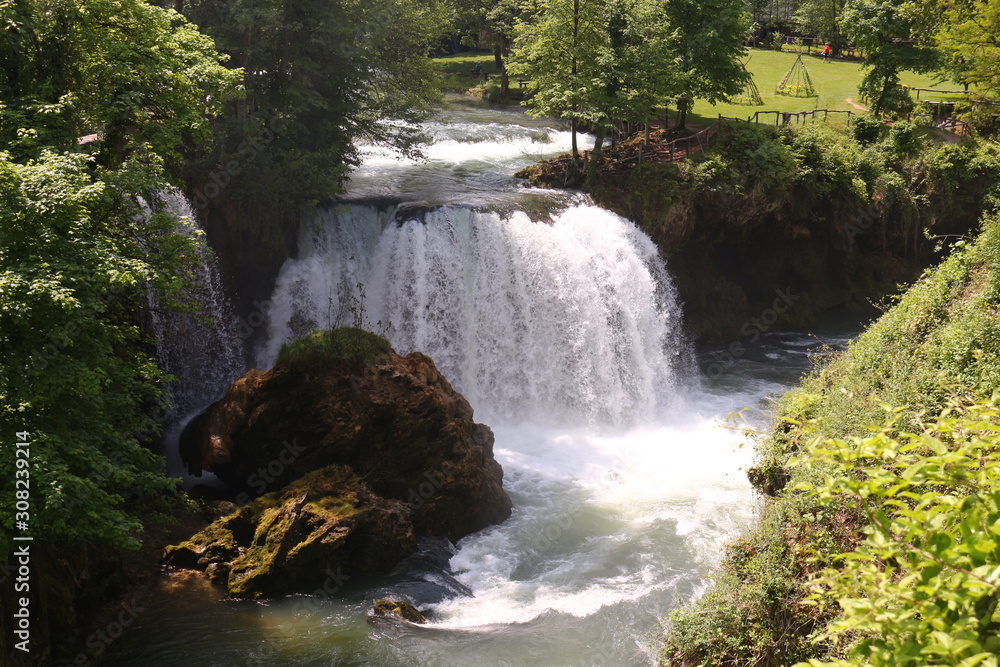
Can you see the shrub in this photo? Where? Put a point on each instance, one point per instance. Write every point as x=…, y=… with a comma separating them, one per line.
x=923, y=587
x=867, y=129
x=346, y=344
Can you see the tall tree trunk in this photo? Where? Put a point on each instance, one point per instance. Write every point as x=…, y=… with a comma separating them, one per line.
x=574, y=69
x=834, y=10
x=682, y=110
x=645, y=136
x=595, y=156
x=501, y=66
x=576, y=150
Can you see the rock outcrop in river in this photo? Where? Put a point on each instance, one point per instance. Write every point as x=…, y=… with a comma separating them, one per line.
x=326, y=525
x=369, y=448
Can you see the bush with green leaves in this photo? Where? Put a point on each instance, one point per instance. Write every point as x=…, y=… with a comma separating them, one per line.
x=923, y=587
x=349, y=345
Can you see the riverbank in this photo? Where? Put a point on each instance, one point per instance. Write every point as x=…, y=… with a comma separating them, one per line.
x=888, y=506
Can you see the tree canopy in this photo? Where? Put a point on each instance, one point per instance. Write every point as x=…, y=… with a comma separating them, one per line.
x=597, y=60
x=888, y=33
x=83, y=241
x=970, y=33
x=319, y=77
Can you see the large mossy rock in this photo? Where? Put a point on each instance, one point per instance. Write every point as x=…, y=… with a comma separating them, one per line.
x=326, y=525
x=345, y=398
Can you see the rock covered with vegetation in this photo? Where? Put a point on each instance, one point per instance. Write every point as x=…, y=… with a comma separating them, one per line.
x=327, y=524
x=345, y=398
x=880, y=545
x=833, y=215
x=398, y=610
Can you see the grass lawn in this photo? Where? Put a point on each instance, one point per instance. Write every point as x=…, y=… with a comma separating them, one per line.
x=835, y=82
x=456, y=71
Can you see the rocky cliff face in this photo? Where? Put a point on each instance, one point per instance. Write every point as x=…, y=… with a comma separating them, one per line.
x=346, y=399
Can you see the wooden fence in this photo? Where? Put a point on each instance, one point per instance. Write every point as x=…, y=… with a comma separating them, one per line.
x=678, y=148
x=684, y=146
x=788, y=117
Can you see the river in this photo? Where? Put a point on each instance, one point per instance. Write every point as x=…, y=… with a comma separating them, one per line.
x=559, y=322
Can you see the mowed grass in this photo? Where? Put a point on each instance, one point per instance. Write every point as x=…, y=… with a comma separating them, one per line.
x=456, y=71
x=835, y=82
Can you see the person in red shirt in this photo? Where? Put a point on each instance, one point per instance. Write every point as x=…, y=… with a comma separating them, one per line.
x=826, y=53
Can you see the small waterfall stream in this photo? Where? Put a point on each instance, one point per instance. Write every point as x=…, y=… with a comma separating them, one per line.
x=203, y=350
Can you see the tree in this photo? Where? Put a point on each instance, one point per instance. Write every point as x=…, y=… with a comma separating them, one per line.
x=497, y=22
x=888, y=31
x=138, y=76
x=706, y=44
x=822, y=18
x=82, y=243
x=320, y=78
x=970, y=33
x=594, y=61
x=562, y=48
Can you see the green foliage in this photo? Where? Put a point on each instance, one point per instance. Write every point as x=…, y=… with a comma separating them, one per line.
x=321, y=78
x=139, y=76
x=750, y=158
x=967, y=32
x=881, y=192
x=347, y=344
x=595, y=60
x=923, y=587
x=895, y=532
x=916, y=353
x=563, y=48
x=83, y=242
x=751, y=614
x=885, y=30
x=76, y=258
x=822, y=19
x=905, y=139
x=491, y=26
x=867, y=129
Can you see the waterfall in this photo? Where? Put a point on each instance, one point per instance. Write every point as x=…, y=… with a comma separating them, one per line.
x=560, y=324
x=565, y=320
x=203, y=350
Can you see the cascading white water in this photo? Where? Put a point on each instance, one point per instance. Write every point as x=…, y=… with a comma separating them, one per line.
x=202, y=350
x=564, y=332
x=561, y=321
x=565, y=336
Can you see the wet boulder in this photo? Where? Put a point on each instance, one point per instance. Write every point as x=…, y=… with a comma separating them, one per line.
x=344, y=397
x=328, y=524
x=398, y=610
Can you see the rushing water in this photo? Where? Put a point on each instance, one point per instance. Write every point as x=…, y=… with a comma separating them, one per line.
x=563, y=330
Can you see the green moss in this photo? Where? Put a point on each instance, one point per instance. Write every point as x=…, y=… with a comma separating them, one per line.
x=347, y=344
x=399, y=608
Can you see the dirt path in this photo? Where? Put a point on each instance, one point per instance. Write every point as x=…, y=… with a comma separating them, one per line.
x=856, y=106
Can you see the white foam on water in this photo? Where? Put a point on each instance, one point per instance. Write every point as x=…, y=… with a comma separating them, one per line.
x=601, y=520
